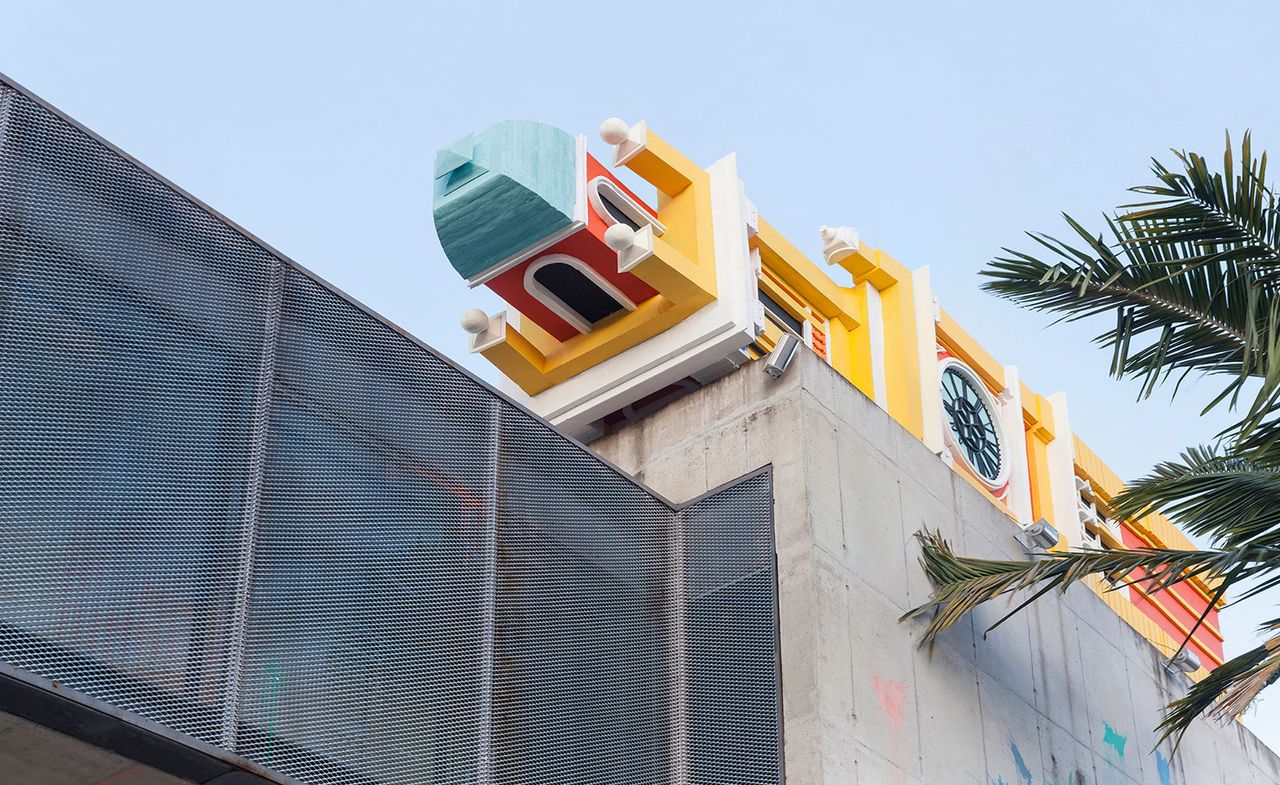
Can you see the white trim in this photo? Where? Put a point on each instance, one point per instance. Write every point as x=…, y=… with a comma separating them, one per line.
x=562, y=309
x=931, y=413
x=493, y=335
x=623, y=201
x=580, y=180
x=1060, y=456
x=633, y=145
x=1020, y=469
x=875, y=334
x=997, y=421
x=525, y=255
x=579, y=221
x=641, y=248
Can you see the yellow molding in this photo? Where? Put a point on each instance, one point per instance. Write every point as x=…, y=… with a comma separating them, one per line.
x=521, y=360
x=1037, y=415
x=783, y=296
x=959, y=342
x=663, y=166
x=805, y=278
x=1041, y=484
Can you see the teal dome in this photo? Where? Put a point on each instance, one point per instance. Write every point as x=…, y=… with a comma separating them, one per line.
x=501, y=191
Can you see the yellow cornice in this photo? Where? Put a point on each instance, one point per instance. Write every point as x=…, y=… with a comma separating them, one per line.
x=959, y=342
x=809, y=281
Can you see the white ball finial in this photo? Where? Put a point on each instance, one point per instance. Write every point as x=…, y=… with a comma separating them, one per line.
x=619, y=237
x=475, y=321
x=614, y=130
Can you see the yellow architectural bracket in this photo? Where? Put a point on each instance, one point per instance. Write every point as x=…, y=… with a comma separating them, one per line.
x=683, y=259
x=873, y=266
x=659, y=264
x=1037, y=415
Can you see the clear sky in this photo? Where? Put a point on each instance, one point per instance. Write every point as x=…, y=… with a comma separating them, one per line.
x=941, y=131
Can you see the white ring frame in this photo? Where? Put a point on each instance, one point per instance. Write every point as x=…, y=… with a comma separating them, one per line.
x=559, y=307
x=993, y=409
x=623, y=201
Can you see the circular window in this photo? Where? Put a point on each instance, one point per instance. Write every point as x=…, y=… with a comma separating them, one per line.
x=972, y=423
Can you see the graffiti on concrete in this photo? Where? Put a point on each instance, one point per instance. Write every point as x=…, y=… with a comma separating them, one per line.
x=1162, y=768
x=1113, y=740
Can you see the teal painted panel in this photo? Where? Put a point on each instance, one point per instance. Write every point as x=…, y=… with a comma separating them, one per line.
x=499, y=192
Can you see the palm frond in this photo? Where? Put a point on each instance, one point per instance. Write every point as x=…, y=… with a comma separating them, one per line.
x=1227, y=691
x=1231, y=497
x=1216, y=216
x=1191, y=278
x=963, y=583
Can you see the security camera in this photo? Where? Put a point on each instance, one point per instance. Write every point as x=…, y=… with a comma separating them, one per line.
x=1185, y=661
x=782, y=355
x=1039, y=536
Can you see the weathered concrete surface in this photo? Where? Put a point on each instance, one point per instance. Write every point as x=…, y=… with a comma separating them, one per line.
x=35, y=755
x=1063, y=694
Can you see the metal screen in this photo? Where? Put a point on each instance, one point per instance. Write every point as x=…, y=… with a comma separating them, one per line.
x=237, y=504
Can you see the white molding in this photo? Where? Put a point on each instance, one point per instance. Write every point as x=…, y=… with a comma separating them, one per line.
x=580, y=180
x=525, y=255
x=997, y=420
x=623, y=201
x=931, y=415
x=641, y=248
x=493, y=335
x=637, y=136
x=1062, y=473
x=559, y=307
x=1020, y=470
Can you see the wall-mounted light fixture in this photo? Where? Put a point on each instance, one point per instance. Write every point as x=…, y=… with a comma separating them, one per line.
x=782, y=355
x=1185, y=661
x=1039, y=536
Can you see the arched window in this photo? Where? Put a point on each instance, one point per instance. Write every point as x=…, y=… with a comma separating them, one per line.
x=573, y=291
x=615, y=206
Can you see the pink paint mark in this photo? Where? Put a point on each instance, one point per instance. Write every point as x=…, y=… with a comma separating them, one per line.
x=891, y=698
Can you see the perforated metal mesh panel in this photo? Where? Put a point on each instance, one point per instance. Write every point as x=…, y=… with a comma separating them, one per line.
x=237, y=504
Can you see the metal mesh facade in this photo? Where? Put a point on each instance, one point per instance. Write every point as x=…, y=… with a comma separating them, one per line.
x=237, y=504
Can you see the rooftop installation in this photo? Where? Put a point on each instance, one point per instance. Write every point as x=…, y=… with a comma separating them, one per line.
x=620, y=305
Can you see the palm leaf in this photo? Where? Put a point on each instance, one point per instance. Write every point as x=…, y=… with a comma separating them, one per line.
x=1228, y=690
x=963, y=583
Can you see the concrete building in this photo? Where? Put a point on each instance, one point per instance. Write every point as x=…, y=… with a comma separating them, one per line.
x=1064, y=693
x=252, y=532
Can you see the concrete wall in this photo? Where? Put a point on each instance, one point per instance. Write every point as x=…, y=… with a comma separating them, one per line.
x=1062, y=694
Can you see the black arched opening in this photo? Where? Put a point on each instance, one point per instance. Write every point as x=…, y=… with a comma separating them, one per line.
x=577, y=291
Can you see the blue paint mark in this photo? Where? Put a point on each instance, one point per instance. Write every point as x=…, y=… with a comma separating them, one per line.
x=999, y=781
x=1024, y=773
x=1162, y=766
x=1113, y=739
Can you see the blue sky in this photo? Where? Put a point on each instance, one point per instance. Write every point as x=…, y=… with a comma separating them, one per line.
x=941, y=132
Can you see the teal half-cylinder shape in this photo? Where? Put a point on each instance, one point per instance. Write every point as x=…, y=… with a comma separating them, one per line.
x=501, y=191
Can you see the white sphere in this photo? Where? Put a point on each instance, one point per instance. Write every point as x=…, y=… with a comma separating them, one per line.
x=475, y=321
x=619, y=237
x=614, y=130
